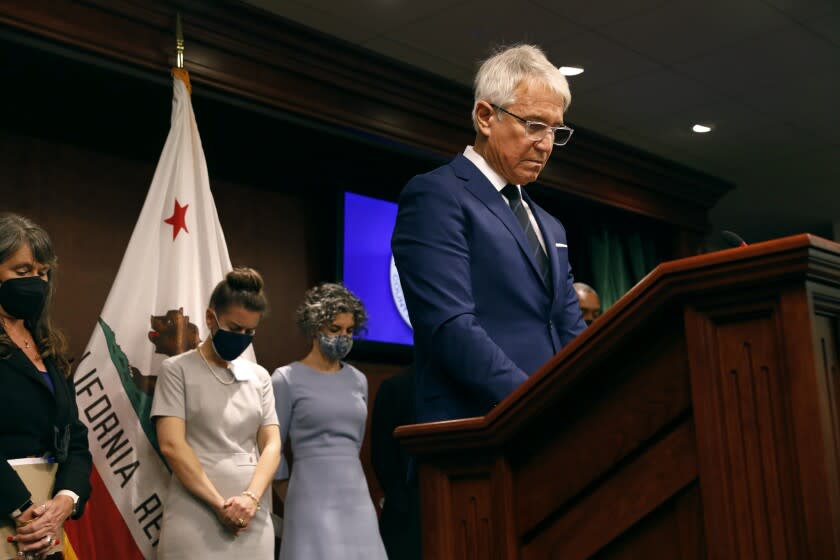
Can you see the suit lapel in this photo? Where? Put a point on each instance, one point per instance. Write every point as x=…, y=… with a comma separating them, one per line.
x=21, y=365
x=482, y=189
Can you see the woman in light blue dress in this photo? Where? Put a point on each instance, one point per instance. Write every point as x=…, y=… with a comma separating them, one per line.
x=322, y=407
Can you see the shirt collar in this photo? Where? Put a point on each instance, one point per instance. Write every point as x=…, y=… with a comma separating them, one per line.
x=478, y=160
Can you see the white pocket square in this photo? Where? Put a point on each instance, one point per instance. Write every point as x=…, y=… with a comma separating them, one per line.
x=558, y=245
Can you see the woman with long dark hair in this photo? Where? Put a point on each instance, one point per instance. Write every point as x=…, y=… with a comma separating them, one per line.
x=39, y=417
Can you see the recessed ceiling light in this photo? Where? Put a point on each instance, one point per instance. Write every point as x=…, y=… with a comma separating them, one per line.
x=570, y=70
x=701, y=128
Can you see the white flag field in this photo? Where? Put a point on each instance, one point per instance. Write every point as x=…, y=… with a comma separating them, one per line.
x=155, y=309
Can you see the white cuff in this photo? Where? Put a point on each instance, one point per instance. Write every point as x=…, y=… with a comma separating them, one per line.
x=73, y=496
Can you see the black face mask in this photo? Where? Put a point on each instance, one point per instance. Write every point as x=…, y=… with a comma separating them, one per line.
x=24, y=298
x=229, y=345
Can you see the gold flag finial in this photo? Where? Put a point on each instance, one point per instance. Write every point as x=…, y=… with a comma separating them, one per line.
x=179, y=42
x=179, y=71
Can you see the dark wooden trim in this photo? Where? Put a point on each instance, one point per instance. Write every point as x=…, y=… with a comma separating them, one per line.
x=238, y=49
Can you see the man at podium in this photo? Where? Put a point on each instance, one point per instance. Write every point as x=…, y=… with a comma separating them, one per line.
x=485, y=271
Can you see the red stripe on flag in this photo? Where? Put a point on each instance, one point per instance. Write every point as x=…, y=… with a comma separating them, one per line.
x=101, y=533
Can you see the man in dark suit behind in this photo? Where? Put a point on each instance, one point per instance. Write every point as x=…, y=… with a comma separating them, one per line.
x=484, y=270
x=399, y=523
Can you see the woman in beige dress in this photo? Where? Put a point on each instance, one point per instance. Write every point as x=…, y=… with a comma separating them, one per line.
x=218, y=430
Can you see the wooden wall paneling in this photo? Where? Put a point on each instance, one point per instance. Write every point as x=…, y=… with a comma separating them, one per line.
x=601, y=185
x=687, y=243
x=89, y=203
x=259, y=56
x=263, y=58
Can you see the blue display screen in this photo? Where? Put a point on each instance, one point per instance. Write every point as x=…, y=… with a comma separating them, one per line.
x=368, y=267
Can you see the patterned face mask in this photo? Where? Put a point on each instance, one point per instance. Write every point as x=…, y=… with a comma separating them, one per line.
x=335, y=347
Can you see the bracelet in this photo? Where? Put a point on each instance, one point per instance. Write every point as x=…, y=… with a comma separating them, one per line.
x=253, y=498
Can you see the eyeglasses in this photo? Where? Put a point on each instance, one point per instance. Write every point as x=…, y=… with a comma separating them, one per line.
x=536, y=130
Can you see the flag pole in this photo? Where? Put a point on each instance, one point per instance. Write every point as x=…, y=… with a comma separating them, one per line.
x=179, y=71
x=179, y=42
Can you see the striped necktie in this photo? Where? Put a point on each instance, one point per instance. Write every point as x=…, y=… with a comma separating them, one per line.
x=511, y=192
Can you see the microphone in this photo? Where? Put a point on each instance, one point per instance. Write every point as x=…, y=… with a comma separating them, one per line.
x=733, y=239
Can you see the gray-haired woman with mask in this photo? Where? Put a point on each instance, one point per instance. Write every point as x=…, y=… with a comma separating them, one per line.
x=322, y=407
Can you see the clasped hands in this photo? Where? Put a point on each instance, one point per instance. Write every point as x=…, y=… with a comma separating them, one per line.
x=236, y=512
x=40, y=526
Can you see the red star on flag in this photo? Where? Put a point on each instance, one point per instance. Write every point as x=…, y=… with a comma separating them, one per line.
x=178, y=219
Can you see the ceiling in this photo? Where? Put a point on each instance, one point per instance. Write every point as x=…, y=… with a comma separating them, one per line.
x=765, y=74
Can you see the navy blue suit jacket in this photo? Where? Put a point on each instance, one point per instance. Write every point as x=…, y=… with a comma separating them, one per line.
x=483, y=318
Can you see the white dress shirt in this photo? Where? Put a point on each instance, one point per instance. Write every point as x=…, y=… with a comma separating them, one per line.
x=499, y=183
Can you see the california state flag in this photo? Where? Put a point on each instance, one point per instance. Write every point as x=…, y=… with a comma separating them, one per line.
x=176, y=255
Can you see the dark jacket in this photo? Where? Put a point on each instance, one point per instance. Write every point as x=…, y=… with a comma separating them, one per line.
x=33, y=422
x=399, y=523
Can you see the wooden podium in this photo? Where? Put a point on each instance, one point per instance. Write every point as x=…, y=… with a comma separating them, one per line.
x=698, y=418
